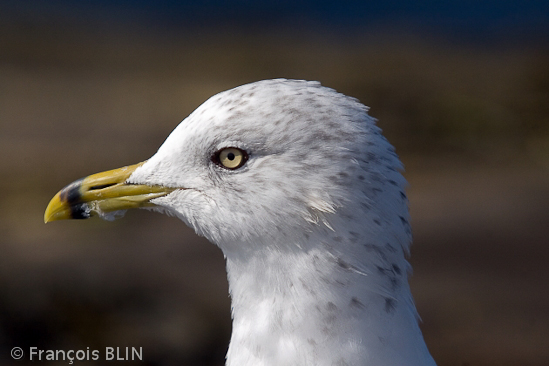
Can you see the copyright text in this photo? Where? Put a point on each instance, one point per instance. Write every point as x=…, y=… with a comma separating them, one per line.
x=108, y=354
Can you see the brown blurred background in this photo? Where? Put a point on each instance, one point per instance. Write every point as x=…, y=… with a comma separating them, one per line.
x=462, y=91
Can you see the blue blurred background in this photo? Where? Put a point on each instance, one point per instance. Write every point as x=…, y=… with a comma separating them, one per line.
x=475, y=19
x=460, y=88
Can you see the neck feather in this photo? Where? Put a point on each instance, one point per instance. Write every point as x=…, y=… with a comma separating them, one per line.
x=310, y=304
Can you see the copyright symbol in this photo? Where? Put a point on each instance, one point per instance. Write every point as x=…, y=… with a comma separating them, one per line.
x=16, y=353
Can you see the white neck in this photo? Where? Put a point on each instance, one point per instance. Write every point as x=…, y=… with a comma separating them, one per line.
x=312, y=305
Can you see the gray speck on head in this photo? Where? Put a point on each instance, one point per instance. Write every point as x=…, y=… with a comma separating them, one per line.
x=343, y=264
x=390, y=305
x=330, y=306
x=390, y=248
x=356, y=303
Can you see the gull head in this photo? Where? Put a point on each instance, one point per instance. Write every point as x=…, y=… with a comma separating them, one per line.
x=263, y=164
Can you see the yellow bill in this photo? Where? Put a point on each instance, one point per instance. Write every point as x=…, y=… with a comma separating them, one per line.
x=102, y=193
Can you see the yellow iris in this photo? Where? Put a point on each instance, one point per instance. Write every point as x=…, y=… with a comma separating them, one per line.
x=232, y=158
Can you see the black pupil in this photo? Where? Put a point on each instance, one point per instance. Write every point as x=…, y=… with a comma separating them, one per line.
x=230, y=156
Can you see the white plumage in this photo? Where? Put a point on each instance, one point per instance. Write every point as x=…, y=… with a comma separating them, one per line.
x=314, y=226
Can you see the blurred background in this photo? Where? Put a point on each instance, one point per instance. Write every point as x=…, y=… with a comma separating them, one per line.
x=460, y=88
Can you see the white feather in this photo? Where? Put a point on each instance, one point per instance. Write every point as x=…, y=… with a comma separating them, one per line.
x=314, y=226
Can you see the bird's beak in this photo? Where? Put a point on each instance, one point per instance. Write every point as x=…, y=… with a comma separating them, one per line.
x=100, y=193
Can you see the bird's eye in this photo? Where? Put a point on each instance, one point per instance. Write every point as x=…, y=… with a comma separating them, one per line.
x=231, y=157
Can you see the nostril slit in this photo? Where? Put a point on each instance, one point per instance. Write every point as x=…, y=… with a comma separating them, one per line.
x=101, y=186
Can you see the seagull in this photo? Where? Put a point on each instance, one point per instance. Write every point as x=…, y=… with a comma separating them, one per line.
x=295, y=183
